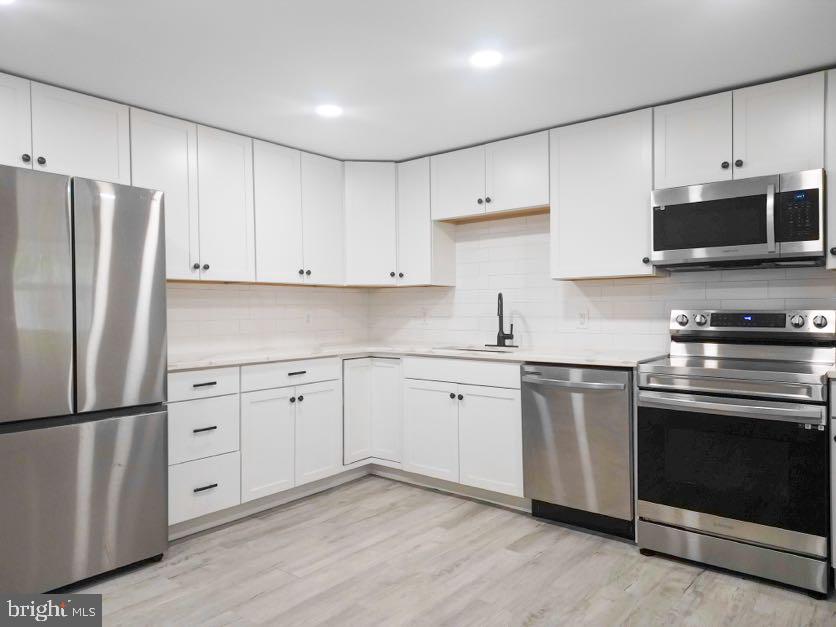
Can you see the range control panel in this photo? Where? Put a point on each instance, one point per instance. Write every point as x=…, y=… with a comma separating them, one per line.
x=708, y=322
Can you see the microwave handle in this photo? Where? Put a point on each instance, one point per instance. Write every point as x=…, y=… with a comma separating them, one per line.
x=770, y=218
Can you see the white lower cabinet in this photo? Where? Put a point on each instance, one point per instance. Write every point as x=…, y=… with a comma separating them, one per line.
x=318, y=431
x=203, y=486
x=372, y=409
x=267, y=442
x=202, y=428
x=490, y=439
x=431, y=429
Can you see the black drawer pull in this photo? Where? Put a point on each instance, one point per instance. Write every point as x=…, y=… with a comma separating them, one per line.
x=293, y=374
x=205, y=385
x=206, y=487
x=201, y=430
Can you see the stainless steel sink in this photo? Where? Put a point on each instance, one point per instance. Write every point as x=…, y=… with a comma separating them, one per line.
x=472, y=349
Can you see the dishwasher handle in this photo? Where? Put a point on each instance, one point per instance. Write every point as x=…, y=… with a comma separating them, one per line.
x=572, y=385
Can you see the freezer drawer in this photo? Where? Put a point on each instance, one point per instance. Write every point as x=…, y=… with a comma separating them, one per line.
x=576, y=438
x=80, y=497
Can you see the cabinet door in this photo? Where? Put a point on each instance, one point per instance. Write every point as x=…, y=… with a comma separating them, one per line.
x=458, y=183
x=370, y=226
x=164, y=157
x=357, y=409
x=830, y=165
x=517, y=173
x=15, y=122
x=600, y=187
x=225, y=168
x=693, y=141
x=277, y=173
x=431, y=429
x=779, y=127
x=386, y=409
x=490, y=439
x=319, y=435
x=323, y=220
x=80, y=135
x=267, y=442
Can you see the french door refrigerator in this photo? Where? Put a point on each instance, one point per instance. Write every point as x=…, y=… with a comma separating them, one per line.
x=83, y=446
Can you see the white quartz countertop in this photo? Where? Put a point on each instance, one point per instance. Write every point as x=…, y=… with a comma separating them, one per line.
x=614, y=358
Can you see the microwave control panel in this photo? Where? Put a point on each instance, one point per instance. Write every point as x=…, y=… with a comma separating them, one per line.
x=797, y=215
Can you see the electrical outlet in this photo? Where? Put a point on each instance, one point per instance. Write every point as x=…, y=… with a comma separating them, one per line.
x=583, y=319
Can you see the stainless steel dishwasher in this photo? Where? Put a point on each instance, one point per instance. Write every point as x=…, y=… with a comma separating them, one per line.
x=577, y=447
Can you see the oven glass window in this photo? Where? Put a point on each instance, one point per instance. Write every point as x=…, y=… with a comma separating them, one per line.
x=763, y=471
x=706, y=224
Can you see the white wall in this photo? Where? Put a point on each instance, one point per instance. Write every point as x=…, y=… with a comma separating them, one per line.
x=221, y=318
x=512, y=256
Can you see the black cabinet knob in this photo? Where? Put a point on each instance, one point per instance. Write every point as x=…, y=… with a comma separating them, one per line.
x=645, y=260
x=301, y=272
x=392, y=274
x=833, y=251
x=195, y=266
x=301, y=398
x=725, y=165
x=479, y=201
x=452, y=395
x=487, y=198
x=41, y=161
x=292, y=399
x=739, y=163
x=400, y=275
x=460, y=397
x=25, y=158
x=205, y=266
x=308, y=272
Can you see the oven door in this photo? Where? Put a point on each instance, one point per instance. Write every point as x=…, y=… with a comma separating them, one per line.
x=724, y=221
x=745, y=469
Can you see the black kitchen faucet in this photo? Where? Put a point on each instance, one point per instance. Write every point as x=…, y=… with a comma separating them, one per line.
x=502, y=337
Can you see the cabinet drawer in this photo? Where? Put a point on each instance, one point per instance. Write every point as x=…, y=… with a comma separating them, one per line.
x=202, y=428
x=184, y=386
x=203, y=486
x=285, y=373
x=469, y=371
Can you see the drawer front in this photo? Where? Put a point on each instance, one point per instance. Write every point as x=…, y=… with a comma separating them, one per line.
x=469, y=371
x=203, y=486
x=286, y=373
x=202, y=428
x=184, y=386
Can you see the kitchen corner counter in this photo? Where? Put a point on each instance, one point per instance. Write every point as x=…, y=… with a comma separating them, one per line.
x=614, y=358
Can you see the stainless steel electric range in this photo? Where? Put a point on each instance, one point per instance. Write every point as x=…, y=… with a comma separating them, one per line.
x=733, y=444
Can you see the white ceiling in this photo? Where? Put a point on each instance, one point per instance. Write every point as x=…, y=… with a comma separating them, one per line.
x=399, y=67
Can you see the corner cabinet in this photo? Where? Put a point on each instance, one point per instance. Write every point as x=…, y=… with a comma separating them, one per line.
x=830, y=166
x=372, y=409
x=755, y=131
x=225, y=190
x=508, y=175
x=164, y=157
x=601, y=178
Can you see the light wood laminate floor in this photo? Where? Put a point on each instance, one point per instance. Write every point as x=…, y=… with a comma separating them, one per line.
x=380, y=552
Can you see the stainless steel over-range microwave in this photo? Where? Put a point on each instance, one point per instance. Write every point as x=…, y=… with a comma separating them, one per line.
x=767, y=220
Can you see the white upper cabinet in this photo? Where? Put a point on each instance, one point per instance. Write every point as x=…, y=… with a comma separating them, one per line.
x=164, y=157
x=227, y=234
x=779, y=127
x=370, y=223
x=458, y=183
x=319, y=436
x=756, y=131
x=601, y=177
x=323, y=220
x=830, y=165
x=80, y=135
x=15, y=122
x=693, y=141
x=278, y=213
x=517, y=173
x=426, y=249
x=267, y=442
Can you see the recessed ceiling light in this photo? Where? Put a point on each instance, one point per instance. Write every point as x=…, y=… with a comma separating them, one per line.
x=329, y=110
x=486, y=58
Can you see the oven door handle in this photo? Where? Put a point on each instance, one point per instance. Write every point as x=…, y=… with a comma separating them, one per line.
x=764, y=410
x=770, y=218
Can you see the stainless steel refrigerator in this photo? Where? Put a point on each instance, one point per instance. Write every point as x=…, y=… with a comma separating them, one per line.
x=83, y=487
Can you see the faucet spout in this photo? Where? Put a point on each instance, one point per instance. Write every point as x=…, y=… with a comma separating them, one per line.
x=502, y=337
